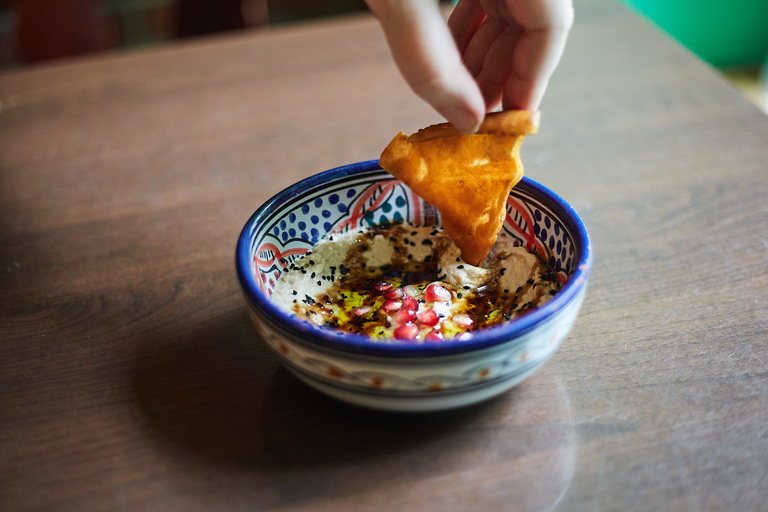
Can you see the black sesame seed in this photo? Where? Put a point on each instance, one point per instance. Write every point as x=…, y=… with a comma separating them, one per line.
x=519, y=289
x=311, y=262
x=458, y=295
x=295, y=292
x=426, y=242
x=465, y=287
x=344, y=270
x=319, y=283
x=460, y=266
x=503, y=269
x=313, y=275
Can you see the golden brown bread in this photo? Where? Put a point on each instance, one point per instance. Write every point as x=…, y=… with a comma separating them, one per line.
x=467, y=178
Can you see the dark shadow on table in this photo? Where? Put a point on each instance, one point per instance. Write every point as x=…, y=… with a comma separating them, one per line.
x=219, y=392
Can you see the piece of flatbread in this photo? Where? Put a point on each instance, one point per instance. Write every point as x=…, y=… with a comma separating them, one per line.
x=467, y=178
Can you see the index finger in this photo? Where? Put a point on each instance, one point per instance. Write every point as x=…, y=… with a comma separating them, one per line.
x=428, y=59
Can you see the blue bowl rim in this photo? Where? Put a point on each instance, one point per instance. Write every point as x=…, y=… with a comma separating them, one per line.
x=364, y=345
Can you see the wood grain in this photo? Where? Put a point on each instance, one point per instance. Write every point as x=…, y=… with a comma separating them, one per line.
x=131, y=377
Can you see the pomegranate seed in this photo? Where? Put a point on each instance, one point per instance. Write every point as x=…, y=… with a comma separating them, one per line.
x=434, y=336
x=436, y=293
x=406, y=332
x=428, y=317
x=391, y=306
x=463, y=320
x=411, y=304
x=405, y=316
x=411, y=291
x=382, y=286
x=362, y=310
x=395, y=293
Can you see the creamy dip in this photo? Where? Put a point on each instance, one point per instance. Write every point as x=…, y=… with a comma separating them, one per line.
x=405, y=282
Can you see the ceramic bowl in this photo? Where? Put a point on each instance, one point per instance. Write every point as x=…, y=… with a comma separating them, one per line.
x=399, y=375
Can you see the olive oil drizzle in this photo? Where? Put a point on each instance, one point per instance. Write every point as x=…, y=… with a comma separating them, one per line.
x=355, y=286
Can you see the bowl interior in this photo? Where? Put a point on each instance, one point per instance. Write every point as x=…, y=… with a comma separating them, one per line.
x=361, y=195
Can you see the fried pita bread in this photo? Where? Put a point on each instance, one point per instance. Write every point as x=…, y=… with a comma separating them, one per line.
x=467, y=178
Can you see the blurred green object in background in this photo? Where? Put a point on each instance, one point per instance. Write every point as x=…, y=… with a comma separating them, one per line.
x=722, y=32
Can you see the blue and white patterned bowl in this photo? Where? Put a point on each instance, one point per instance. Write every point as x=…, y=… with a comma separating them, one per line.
x=403, y=376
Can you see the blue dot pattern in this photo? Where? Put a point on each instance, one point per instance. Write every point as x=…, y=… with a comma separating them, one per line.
x=302, y=225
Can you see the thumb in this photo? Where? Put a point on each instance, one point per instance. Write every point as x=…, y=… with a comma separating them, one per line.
x=427, y=57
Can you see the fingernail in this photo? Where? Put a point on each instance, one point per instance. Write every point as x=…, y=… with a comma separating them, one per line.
x=464, y=120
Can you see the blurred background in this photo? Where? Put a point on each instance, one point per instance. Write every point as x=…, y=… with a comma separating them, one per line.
x=732, y=35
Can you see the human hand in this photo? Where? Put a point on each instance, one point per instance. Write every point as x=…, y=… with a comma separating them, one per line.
x=491, y=53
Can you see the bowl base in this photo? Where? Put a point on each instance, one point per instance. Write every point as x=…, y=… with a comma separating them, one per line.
x=432, y=403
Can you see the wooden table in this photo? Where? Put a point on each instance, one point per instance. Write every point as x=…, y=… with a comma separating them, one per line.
x=132, y=379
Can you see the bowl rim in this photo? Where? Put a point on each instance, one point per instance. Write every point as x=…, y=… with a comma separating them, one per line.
x=500, y=334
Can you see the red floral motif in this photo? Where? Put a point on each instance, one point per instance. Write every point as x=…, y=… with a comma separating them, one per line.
x=358, y=209
x=277, y=255
x=531, y=242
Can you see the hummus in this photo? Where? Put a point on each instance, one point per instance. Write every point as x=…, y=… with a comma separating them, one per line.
x=405, y=282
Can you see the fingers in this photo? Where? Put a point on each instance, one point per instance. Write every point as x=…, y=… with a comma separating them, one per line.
x=545, y=26
x=513, y=53
x=429, y=60
x=536, y=57
x=466, y=18
x=498, y=67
